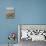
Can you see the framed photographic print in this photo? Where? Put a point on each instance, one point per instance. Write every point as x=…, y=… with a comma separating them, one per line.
x=10, y=13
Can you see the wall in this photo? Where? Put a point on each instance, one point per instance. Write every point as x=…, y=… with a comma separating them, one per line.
x=31, y=11
x=27, y=12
